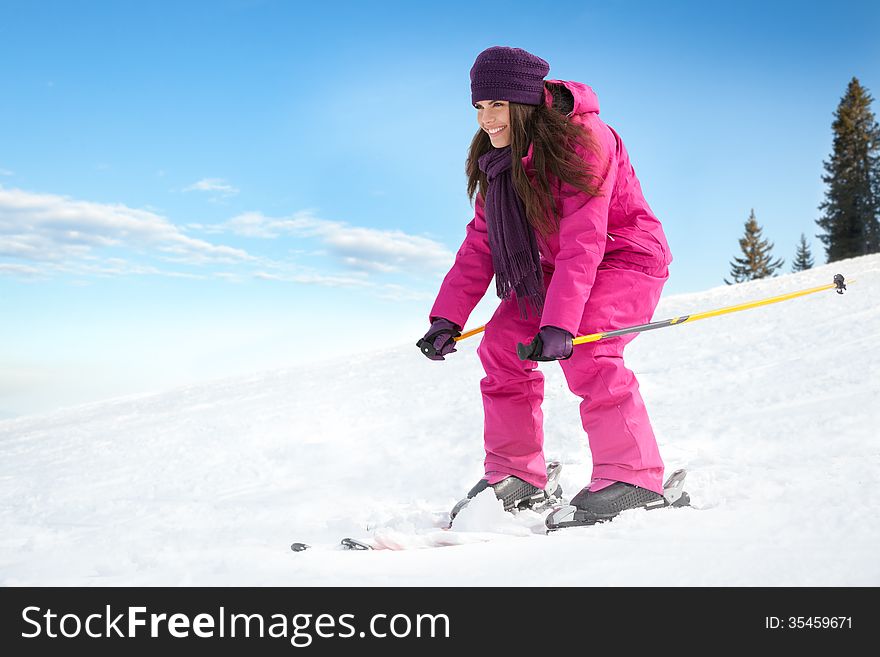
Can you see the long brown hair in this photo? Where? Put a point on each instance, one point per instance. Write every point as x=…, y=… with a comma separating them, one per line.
x=553, y=136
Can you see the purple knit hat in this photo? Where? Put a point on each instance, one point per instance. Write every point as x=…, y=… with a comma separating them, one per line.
x=512, y=74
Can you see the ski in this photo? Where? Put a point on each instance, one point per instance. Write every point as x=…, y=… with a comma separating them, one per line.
x=564, y=516
x=346, y=543
x=541, y=500
x=561, y=515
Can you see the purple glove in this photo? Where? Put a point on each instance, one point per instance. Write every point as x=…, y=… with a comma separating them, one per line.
x=439, y=340
x=551, y=343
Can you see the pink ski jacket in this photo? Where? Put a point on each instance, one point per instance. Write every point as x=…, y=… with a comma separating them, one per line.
x=615, y=229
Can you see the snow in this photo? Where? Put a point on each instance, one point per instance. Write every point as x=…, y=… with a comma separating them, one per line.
x=774, y=411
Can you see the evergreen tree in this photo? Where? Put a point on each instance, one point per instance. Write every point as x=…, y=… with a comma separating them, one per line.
x=803, y=258
x=756, y=261
x=852, y=199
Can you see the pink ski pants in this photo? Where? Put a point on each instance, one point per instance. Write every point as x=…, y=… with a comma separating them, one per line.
x=612, y=411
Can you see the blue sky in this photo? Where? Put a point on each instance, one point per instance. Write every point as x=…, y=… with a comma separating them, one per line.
x=201, y=189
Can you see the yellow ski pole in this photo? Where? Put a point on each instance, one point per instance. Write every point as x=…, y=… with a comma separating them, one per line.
x=468, y=334
x=839, y=285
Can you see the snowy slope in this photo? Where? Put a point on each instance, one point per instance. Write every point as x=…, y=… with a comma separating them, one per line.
x=775, y=412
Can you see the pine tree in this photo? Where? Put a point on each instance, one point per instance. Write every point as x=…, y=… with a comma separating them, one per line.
x=852, y=199
x=757, y=261
x=803, y=259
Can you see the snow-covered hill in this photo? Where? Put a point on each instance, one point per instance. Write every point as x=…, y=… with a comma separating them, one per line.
x=774, y=411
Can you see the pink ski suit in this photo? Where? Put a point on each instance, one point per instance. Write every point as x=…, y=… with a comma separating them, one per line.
x=604, y=269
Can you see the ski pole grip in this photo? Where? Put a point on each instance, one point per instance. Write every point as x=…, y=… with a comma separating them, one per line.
x=525, y=351
x=426, y=348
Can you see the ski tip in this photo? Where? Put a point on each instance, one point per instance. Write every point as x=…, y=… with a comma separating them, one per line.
x=676, y=478
x=354, y=544
x=560, y=516
x=299, y=547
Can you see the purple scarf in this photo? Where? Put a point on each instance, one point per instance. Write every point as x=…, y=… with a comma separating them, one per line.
x=512, y=240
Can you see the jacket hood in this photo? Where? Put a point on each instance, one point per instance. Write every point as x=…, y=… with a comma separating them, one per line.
x=585, y=99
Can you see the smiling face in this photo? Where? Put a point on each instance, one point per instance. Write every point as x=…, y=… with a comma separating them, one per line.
x=493, y=116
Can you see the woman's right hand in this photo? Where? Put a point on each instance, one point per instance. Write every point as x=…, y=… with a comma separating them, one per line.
x=439, y=341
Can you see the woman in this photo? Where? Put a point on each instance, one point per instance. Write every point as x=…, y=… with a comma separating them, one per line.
x=561, y=223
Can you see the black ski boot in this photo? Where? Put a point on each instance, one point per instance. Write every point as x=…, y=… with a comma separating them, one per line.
x=515, y=493
x=589, y=508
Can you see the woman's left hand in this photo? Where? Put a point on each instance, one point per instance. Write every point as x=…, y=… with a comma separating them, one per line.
x=551, y=343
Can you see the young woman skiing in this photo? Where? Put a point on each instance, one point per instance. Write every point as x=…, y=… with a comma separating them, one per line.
x=561, y=223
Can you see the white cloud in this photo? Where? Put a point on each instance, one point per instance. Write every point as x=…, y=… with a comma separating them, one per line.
x=387, y=291
x=24, y=271
x=212, y=185
x=49, y=235
x=369, y=265
x=59, y=230
x=315, y=279
x=256, y=224
x=363, y=249
x=389, y=250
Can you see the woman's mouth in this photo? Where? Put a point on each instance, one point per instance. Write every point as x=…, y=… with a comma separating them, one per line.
x=494, y=131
